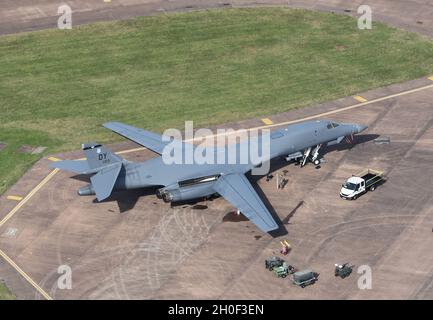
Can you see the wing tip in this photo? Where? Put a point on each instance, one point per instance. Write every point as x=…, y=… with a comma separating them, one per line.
x=109, y=123
x=53, y=166
x=59, y=164
x=271, y=228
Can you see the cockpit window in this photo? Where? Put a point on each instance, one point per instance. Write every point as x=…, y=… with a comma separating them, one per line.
x=332, y=125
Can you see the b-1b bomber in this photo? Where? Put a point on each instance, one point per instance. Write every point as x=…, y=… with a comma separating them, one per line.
x=182, y=182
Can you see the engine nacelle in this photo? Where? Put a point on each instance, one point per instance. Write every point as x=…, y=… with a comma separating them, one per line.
x=185, y=193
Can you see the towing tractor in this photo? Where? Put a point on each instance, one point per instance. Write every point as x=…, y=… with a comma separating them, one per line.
x=273, y=262
x=356, y=185
x=343, y=270
x=284, y=270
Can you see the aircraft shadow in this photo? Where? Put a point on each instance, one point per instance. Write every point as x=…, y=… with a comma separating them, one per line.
x=82, y=177
x=280, y=162
x=127, y=199
x=344, y=145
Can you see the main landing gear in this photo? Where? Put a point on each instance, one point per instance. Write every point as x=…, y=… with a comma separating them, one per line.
x=309, y=154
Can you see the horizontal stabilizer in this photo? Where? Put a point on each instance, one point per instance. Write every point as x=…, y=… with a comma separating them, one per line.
x=75, y=166
x=103, y=182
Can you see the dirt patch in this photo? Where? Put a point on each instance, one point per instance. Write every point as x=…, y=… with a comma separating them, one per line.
x=25, y=149
x=39, y=150
x=30, y=149
x=234, y=217
x=199, y=207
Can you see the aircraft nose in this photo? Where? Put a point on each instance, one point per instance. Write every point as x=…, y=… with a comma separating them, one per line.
x=360, y=127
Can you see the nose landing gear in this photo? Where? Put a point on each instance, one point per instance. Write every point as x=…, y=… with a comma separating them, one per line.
x=315, y=156
x=308, y=155
x=312, y=156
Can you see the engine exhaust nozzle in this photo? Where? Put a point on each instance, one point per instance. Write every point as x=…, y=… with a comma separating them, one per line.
x=86, y=191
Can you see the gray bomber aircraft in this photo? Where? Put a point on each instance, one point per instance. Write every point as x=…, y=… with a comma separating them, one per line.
x=181, y=182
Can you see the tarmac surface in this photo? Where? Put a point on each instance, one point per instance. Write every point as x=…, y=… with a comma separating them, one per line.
x=134, y=246
x=24, y=15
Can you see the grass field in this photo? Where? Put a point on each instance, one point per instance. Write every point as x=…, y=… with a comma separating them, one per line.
x=58, y=86
x=5, y=294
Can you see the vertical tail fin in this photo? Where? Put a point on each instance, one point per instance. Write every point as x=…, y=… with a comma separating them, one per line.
x=101, y=161
x=99, y=156
x=108, y=166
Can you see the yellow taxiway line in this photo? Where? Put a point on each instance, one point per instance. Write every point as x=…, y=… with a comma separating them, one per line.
x=267, y=121
x=25, y=275
x=15, y=198
x=360, y=99
x=53, y=172
x=328, y=113
x=27, y=198
x=323, y=114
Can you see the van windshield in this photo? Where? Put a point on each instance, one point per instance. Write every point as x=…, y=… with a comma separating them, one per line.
x=350, y=186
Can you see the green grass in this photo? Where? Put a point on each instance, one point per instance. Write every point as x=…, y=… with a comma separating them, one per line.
x=58, y=86
x=5, y=294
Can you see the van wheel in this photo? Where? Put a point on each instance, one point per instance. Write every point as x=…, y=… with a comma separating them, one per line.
x=355, y=197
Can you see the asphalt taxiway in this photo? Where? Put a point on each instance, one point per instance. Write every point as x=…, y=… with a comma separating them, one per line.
x=133, y=246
